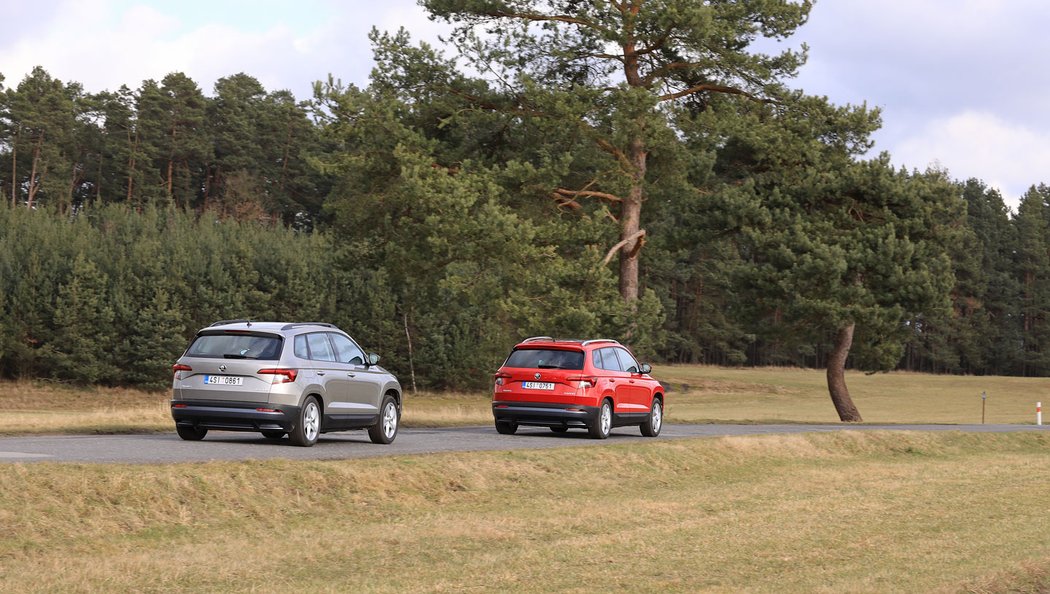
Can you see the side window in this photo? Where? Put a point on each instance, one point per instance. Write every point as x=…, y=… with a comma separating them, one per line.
x=346, y=350
x=627, y=362
x=596, y=358
x=610, y=360
x=300, y=349
x=320, y=349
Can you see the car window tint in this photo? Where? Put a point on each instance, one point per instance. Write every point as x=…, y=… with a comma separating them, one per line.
x=320, y=349
x=236, y=346
x=596, y=358
x=611, y=363
x=627, y=362
x=300, y=349
x=346, y=350
x=545, y=359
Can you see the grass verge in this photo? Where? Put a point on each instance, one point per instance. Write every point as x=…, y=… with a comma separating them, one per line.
x=848, y=512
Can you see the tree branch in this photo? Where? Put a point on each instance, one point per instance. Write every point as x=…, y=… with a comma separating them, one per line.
x=612, y=251
x=559, y=18
x=587, y=194
x=606, y=146
x=714, y=88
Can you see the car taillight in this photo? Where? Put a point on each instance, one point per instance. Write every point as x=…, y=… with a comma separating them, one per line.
x=176, y=368
x=585, y=380
x=501, y=378
x=287, y=375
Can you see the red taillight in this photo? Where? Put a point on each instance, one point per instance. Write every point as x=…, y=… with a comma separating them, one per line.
x=180, y=367
x=178, y=406
x=289, y=375
x=501, y=377
x=268, y=410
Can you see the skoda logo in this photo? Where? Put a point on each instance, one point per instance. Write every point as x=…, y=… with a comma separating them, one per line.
x=537, y=376
x=222, y=368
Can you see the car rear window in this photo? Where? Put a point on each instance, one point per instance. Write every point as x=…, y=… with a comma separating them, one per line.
x=545, y=359
x=236, y=346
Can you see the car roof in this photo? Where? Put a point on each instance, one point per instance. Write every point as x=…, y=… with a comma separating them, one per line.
x=547, y=341
x=268, y=326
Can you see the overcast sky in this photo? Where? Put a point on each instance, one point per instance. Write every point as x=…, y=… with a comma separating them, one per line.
x=963, y=84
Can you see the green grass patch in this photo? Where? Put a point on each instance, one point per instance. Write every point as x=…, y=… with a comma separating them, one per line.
x=844, y=512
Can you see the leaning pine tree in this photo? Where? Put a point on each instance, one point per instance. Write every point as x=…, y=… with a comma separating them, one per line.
x=840, y=249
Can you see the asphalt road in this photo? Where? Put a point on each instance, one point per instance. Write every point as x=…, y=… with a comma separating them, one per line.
x=224, y=445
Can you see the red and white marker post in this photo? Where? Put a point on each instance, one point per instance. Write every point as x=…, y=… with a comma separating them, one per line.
x=1038, y=413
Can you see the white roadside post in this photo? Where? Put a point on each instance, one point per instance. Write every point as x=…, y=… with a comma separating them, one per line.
x=1038, y=413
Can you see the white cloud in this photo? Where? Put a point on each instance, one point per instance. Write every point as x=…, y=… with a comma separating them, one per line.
x=126, y=44
x=982, y=145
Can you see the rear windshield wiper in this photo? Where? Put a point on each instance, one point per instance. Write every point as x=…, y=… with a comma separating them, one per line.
x=235, y=356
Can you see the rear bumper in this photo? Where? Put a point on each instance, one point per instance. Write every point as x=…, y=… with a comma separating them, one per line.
x=544, y=415
x=234, y=416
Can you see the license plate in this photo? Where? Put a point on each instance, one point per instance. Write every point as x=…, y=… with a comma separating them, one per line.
x=223, y=380
x=537, y=385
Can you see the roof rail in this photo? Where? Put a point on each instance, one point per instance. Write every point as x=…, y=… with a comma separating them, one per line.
x=536, y=338
x=587, y=342
x=297, y=324
x=225, y=322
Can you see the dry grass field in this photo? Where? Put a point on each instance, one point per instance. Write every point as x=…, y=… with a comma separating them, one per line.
x=713, y=394
x=698, y=394
x=849, y=512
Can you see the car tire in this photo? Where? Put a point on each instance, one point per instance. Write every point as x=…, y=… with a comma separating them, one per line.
x=191, y=433
x=506, y=427
x=273, y=434
x=655, y=421
x=603, y=423
x=384, y=431
x=559, y=429
x=308, y=426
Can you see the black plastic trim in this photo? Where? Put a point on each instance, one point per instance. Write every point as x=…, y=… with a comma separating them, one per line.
x=544, y=415
x=233, y=416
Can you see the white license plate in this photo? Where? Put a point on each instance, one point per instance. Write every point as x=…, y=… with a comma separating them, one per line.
x=223, y=380
x=537, y=385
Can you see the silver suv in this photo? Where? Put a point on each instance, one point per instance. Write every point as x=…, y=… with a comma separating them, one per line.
x=299, y=379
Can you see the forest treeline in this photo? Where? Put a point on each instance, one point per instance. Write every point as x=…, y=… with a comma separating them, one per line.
x=439, y=216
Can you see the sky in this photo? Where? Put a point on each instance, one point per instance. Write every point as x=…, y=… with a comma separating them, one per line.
x=963, y=85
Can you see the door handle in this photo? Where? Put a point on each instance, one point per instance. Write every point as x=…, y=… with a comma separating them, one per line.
x=348, y=374
x=632, y=381
x=320, y=373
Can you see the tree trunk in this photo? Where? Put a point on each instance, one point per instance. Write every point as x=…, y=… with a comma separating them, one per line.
x=848, y=413
x=630, y=223
x=34, y=182
x=171, y=182
x=131, y=163
x=14, y=169
x=631, y=209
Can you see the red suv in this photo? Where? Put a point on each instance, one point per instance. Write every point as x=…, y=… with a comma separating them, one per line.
x=576, y=384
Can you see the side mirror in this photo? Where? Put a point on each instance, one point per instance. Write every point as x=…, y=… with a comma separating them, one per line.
x=646, y=368
x=373, y=358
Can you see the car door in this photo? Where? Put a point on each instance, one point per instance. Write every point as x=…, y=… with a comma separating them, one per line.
x=363, y=384
x=618, y=380
x=636, y=388
x=323, y=360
